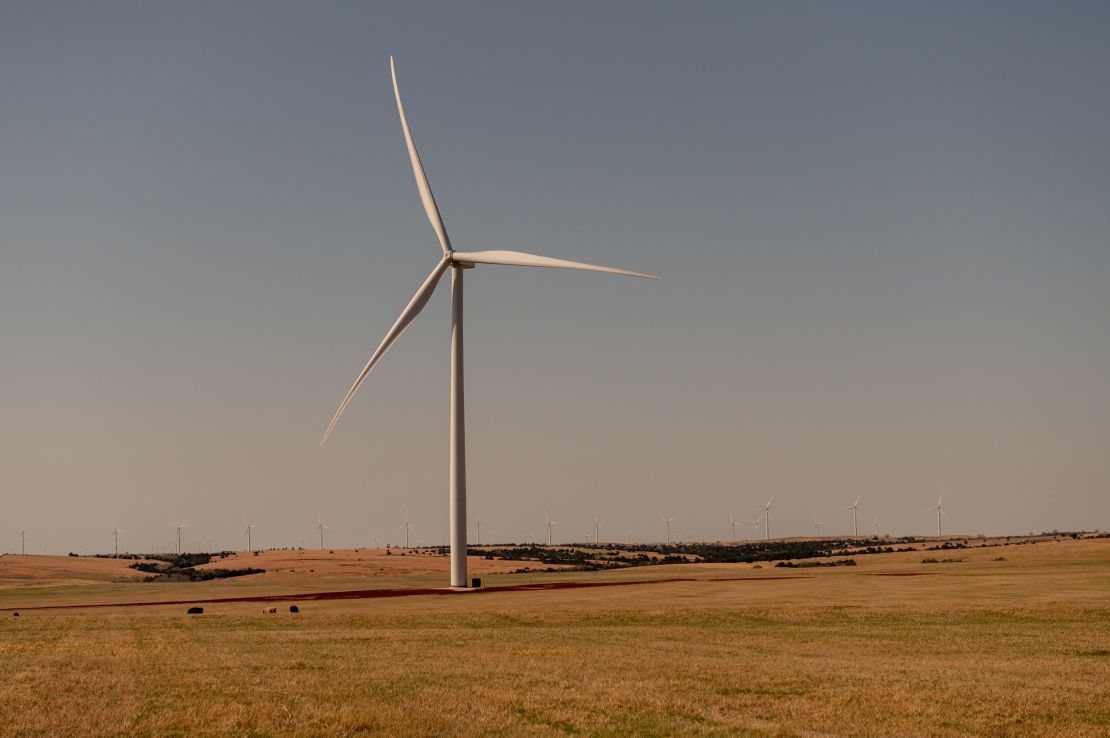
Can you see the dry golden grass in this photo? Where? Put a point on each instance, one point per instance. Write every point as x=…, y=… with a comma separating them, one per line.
x=369, y=563
x=979, y=648
x=29, y=571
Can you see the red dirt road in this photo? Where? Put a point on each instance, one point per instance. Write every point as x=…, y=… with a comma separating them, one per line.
x=362, y=594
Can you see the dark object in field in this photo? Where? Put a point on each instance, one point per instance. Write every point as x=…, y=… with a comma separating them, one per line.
x=269, y=610
x=15, y=614
x=475, y=582
x=195, y=611
x=810, y=564
x=294, y=608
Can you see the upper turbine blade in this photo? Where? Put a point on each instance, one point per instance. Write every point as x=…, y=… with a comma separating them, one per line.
x=519, y=258
x=422, y=185
x=416, y=304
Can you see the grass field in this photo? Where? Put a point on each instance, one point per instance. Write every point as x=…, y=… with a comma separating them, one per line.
x=980, y=647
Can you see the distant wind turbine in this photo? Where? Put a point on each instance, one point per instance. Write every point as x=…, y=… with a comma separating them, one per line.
x=854, y=507
x=457, y=262
x=179, y=526
x=875, y=527
x=320, y=528
x=766, y=518
x=597, y=529
x=629, y=536
x=940, y=511
x=816, y=526
x=550, y=523
x=22, y=541
x=248, y=531
x=407, y=526
x=733, y=522
x=668, y=521
x=115, y=533
x=755, y=525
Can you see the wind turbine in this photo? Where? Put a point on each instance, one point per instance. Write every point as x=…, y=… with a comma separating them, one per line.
x=321, y=528
x=597, y=528
x=249, y=529
x=457, y=262
x=478, y=530
x=940, y=511
x=755, y=525
x=854, y=507
x=179, y=526
x=115, y=532
x=210, y=545
x=587, y=534
x=668, y=521
x=875, y=527
x=629, y=536
x=816, y=526
x=766, y=518
x=407, y=526
x=22, y=541
x=550, y=523
x=733, y=522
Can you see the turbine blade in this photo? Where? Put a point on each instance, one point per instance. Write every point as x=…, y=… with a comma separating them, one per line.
x=426, y=196
x=519, y=258
x=419, y=300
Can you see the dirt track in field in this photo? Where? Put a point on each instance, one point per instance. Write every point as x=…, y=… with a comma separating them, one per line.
x=362, y=594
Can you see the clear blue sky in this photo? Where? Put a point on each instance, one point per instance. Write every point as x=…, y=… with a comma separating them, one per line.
x=883, y=226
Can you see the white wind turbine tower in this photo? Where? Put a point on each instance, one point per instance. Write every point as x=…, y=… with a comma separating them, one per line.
x=668, y=521
x=320, y=527
x=550, y=523
x=407, y=526
x=22, y=541
x=875, y=527
x=478, y=530
x=248, y=532
x=766, y=518
x=209, y=544
x=457, y=262
x=179, y=526
x=733, y=522
x=940, y=511
x=597, y=529
x=115, y=533
x=587, y=534
x=816, y=526
x=629, y=536
x=854, y=507
x=755, y=525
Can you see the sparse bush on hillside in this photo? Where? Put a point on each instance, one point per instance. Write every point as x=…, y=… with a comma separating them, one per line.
x=812, y=564
x=182, y=568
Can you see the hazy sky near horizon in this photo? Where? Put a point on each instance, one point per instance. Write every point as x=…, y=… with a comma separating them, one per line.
x=883, y=227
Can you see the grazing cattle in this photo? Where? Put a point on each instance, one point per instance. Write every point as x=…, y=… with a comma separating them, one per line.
x=269, y=610
x=195, y=611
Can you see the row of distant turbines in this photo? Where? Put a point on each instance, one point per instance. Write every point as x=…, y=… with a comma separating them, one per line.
x=591, y=534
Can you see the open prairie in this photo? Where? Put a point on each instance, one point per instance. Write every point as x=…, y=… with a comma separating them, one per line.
x=979, y=646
